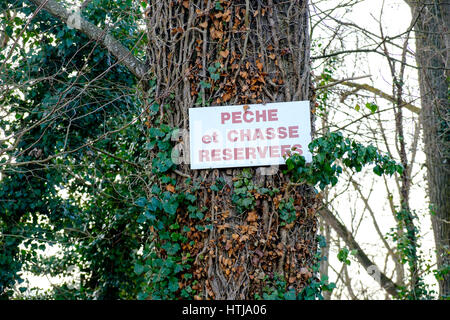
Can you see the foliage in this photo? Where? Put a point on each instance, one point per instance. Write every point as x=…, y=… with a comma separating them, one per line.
x=91, y=225
x=277, y=288
x=242, y=197
x=287, y=211
x=327, y=150
x=343, y=256
x=409, y=251
x=316, y=286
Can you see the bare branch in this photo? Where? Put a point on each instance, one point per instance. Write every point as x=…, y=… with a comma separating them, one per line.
x=378, y=92
x=385, y=282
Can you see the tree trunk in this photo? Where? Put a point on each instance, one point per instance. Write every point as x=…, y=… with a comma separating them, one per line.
x=432, y=55
x=261, y=52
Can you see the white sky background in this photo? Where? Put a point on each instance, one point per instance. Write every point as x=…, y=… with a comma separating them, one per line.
x=396, y=19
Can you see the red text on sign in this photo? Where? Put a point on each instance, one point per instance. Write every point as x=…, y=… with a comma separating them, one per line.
x=249, y=116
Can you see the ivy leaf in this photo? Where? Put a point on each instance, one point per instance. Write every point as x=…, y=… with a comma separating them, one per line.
x=331, y=286
x=377, y=170
x=141, y=202
x=154, y=204
x=218, y=6
x=372, y=107
x=190, y=197
x=343, y=256
x=142, y=295
x=215, y=76
x=290, y=295
x=138, y=268
x=205, y=85
x=156, y=133
x=171, y=248
x=149, y=216
x=173, y=284
x=141, y=219
x=170, y=207
x=200, y=215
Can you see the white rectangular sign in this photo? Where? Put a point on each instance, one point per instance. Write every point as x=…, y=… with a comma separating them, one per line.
x=248, y=135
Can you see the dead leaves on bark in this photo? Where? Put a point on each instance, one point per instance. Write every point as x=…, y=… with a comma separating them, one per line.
x=244, y=244
x=244, y=74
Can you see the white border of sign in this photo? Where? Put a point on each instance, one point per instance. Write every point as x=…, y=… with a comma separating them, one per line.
x=208, y=121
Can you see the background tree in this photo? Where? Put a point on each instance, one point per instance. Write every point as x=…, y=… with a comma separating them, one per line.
x=432, y=56
x=67, y=106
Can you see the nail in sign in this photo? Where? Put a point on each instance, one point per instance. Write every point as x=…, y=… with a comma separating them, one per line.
x=248, y=135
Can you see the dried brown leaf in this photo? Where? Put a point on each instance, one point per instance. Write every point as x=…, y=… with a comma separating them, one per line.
x=224, y=53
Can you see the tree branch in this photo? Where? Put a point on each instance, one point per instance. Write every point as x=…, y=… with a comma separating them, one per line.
x=76, y=21
x=385, y=282
x=373, y=90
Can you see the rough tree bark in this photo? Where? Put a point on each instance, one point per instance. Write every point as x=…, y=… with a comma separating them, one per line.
x=432, y=55
x=263, y=52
